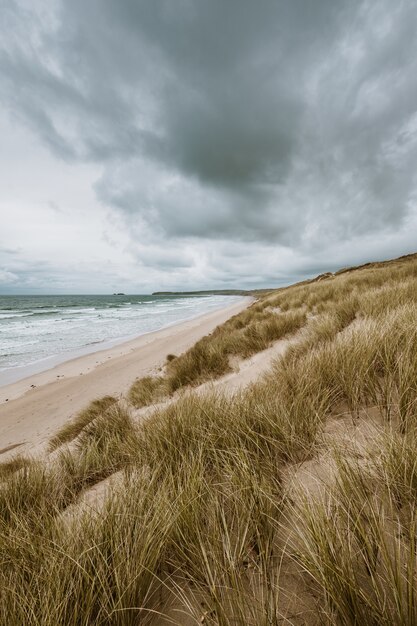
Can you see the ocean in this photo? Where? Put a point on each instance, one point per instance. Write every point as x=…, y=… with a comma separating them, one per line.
x=40, y=331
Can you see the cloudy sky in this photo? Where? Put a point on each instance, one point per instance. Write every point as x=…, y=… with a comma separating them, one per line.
x=182, y=144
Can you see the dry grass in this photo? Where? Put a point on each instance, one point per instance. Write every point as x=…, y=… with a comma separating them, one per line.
x=358, y=544
x=7, y=468
x=147, y=390
x=244, y=334
x=71, y=430
x=200, y=517
x=105, y=446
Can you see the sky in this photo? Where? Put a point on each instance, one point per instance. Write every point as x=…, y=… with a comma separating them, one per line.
x=193, y=144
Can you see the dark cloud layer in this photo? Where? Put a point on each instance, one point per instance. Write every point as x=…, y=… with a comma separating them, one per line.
x=288, y=122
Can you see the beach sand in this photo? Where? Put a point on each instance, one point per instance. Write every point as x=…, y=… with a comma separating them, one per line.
x=32, y=409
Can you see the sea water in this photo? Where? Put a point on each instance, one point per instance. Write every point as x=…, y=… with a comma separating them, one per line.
x=35, y=328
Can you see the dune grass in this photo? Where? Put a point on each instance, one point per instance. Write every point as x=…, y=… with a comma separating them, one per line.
x=195, y=529
x=105, y=446
x=73, y=428
x=147, y=390
x=243, y=335
x=358, y=544
x=7, y=468
x=198, y=505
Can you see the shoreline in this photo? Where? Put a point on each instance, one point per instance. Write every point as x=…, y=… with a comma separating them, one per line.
x=11, y=375
x=32, y=408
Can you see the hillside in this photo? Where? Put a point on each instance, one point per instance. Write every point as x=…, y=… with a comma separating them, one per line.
x=289, y=500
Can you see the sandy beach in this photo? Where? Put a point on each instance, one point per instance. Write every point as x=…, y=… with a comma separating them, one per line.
x=34, y=408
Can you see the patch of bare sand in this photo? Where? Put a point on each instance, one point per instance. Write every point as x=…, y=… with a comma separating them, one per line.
x=92, y=499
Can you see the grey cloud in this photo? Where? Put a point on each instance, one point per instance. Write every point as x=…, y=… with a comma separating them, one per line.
x=178, y=207
x=287, y=122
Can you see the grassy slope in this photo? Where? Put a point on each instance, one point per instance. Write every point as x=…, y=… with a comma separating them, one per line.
x=206, y=516
x=244, y=334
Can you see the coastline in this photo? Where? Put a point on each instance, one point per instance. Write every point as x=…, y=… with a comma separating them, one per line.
x=75, y=340
x=32, y=408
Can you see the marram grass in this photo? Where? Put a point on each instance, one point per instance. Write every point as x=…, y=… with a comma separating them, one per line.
x=204, y=526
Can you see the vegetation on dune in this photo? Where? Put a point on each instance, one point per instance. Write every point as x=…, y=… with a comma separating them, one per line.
x=7, y=468
x=147, y=390
x=71, y=430
x=105, y=446
x=206, y=526
x=243, y=335
x=358, y=544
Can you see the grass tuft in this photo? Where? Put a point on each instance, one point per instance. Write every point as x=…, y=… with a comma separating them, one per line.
x=7, y=468
x=147, y=390
x=72, y=429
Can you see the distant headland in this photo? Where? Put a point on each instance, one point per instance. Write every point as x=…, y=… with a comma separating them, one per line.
x=212, y=292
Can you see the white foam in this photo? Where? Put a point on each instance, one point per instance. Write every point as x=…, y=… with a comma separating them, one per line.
x=27, y=338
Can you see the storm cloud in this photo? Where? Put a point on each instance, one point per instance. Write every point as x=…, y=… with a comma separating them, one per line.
x=226, y=133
